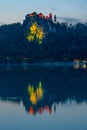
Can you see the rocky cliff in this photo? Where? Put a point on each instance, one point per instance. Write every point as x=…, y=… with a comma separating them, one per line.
x=37, y=26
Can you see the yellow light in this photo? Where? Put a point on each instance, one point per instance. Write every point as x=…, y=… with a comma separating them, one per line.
x=39, y=93
x=35, y=32
x=30, y=89
x=33, y=27
x=35, y=95
x=33, y=98
x=84, y=66
x=30, y=37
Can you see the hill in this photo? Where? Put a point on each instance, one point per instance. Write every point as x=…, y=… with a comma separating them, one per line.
x=40, y=38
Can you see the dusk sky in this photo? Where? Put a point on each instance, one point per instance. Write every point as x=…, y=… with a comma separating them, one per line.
x=15, y=10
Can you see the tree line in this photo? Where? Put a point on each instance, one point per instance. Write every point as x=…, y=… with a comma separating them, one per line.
x=67, y=43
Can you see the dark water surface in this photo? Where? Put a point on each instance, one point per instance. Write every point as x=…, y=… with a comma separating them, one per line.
x=43, y=98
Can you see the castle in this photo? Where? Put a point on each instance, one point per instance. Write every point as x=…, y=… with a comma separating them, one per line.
x=38, y=26
x=40, y=15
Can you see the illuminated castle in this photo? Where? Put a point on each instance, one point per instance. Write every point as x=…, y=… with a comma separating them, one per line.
x=38, y=26
x=40, y=15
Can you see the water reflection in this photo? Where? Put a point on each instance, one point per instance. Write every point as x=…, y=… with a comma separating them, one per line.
x=35, y=95
x=41, y=89
x=78, y=64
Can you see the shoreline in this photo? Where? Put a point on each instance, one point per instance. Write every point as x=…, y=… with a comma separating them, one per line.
x=54, y=64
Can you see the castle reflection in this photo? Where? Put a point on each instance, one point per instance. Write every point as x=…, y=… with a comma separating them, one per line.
x=35, y=95
x=41, y=89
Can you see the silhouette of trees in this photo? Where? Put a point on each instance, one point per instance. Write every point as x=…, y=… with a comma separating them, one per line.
x=66, y=43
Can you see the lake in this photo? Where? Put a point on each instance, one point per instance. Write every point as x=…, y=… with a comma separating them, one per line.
x=34, y=97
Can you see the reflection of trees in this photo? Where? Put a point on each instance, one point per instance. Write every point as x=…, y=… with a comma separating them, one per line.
x=55, y=84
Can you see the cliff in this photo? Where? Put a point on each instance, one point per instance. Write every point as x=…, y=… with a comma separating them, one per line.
x=37, y=27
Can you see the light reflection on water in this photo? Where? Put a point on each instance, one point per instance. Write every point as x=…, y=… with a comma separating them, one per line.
x=43, y=97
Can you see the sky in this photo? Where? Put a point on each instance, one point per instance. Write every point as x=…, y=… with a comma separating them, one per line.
x=69, y=10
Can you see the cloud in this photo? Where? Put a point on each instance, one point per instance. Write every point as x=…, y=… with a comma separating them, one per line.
x=68, y=20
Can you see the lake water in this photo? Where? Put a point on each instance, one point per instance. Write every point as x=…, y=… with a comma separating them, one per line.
x=43, y=98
